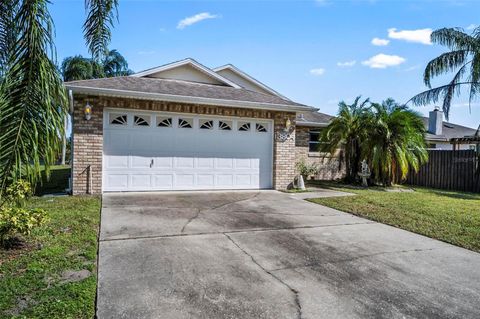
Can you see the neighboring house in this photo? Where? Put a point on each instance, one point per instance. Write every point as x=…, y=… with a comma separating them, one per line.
x=183, y=126
x=440, y=133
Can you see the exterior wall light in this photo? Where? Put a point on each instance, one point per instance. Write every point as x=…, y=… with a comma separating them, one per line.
x=285, y=133
x=288, y=124
x=87, y=111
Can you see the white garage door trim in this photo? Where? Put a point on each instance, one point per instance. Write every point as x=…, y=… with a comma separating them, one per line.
x=140, y=154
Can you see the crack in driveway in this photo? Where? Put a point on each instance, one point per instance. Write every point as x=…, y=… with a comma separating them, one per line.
x=214, y=208
x=293, y=290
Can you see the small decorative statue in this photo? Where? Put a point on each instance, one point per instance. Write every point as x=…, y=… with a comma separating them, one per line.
x=365, y=173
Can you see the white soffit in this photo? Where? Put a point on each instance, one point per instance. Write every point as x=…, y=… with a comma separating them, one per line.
x=249, y=78
x=188, y=62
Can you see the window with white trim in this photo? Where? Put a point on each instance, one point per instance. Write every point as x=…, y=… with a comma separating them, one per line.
x=243, y=126
x=141, y=120
x=206, y=124
x=163, y=121
x=118, y=119
x=259, y=127
x=185, y=123
x=225, y=125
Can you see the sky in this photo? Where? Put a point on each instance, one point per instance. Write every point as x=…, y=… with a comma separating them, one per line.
x=316, y=52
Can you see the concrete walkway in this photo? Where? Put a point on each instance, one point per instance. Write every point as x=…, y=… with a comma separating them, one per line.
x=271, y=255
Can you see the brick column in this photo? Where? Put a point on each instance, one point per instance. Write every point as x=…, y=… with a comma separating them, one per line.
x=284, y=156
x=87, y=148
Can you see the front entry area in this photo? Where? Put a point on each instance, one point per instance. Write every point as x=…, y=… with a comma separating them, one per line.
x=147, y=151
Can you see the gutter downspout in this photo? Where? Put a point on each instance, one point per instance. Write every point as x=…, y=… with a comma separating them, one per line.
x=70, y=180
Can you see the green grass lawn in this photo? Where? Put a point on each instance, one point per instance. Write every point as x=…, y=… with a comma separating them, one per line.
x=453, y=217
x=31, y=282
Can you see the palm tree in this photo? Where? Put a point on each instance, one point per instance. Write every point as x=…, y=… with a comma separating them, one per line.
x=115, y=64
x=32, y=97
x=79, y=68
x=463, y=59
x=396, y=141
x=347, y=132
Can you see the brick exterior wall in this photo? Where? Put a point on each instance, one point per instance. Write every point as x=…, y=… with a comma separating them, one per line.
x=88, y=137
x=331, y=166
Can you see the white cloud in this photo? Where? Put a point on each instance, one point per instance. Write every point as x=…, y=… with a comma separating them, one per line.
x=471, y=27
x=346, y=63
x=317, y=72
x=382, y=61
x=380, y=42
x=418, y=36
x=188, y=21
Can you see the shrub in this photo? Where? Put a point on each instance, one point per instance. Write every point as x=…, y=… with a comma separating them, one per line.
x=17, y=220
x=14, y=218
x=307, y=169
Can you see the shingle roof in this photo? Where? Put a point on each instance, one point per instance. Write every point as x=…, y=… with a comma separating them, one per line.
x=180, y=88
x=312, y=118
x=449, y=130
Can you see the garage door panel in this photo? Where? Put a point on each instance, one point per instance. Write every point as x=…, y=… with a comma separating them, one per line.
x=163, y=181
x=184, y=162
x=140, y=162
x=224, y=163
x=205, y=163
x=206, y=180
x=162, y=162
x=141, y=181
x=174, y=158
x=115, y=161
x=185, y=180
x=225, y=180
x=117, y=181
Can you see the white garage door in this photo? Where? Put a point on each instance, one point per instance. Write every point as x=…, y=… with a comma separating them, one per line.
x=145, y=151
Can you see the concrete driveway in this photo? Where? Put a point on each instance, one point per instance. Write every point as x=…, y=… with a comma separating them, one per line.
x=271, y=255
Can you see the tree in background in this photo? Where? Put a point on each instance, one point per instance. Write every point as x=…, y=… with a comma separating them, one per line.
x=463, y=59
x=395, y=142
x=348, y=132
x=77, y=67
x=80, y=68
x=32, y=97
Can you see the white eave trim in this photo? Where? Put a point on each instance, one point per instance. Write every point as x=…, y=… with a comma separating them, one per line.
x=251, y=79
x=192, y=63
x=311, y=124
x=187, y=99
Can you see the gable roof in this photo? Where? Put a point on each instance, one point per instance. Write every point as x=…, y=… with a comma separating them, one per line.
x=449, y=130
x=313, y=119
x=187, y=62
x=248, y=78
x=184, y=92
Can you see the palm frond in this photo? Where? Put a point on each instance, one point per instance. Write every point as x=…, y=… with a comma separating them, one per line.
x=101, y=15
x=445, y=63
x=8, y=31
x=455, y=39
x=33, y=99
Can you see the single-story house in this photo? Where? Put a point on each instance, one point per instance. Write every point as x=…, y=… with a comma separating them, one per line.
x=184, y=126
x=440, y=133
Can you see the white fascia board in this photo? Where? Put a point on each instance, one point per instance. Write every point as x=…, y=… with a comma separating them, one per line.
x=187, y=99
x=311, y=124
x=194, y=64
x=250, y=78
